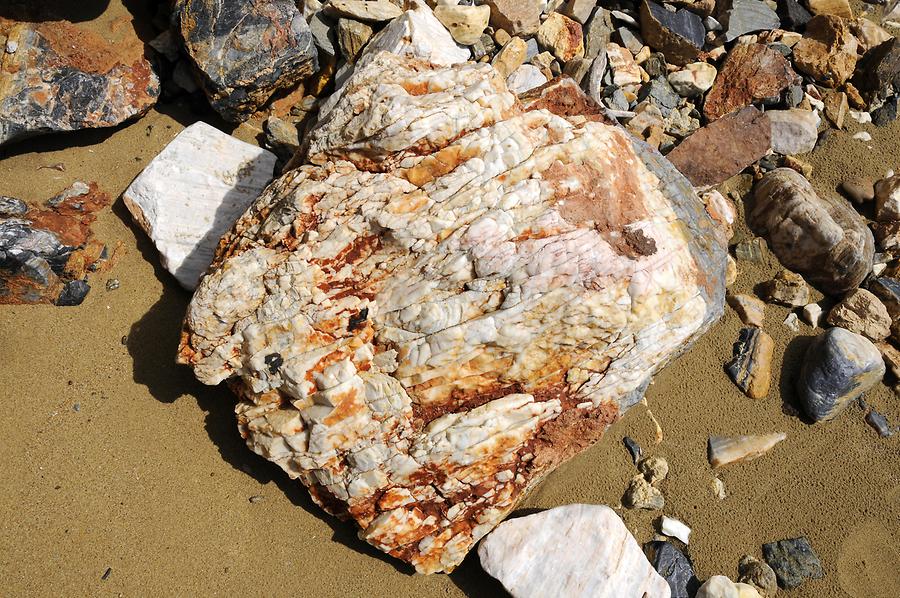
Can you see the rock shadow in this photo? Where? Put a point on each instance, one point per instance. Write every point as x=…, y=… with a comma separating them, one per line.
x=790, y=372
x=52, y=10
x=152, y=343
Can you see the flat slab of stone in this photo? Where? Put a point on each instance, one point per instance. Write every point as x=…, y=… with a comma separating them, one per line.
x=723, y=148
x=192, y=193
x=574, y=551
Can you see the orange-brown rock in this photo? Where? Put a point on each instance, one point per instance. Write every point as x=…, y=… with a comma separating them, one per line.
x=828, y=51
x=47, y=253
x=752, y=73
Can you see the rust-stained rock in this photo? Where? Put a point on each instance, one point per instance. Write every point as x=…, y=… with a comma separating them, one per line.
x=828, y=50
x=820, y=237
x=246, y=50
x=723, y=148
x=752, y=73
x=46, y=253
x=56, y=76
x=451, y=298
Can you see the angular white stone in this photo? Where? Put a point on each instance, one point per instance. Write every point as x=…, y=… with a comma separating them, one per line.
x=693, y=79
x=192, y=193
x=524, y=78
x=725, y=450
x=574, y=550
x=675, y=529
x=419, y=33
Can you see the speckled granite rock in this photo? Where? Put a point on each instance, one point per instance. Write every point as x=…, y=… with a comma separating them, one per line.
x=246, y=50
x=46, y=253
x=451, y=298
x=822, y=238
x=63, y=77
x=192, y=193
x=600, y=558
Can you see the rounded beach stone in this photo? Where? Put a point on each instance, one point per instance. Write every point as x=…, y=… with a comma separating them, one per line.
x=839, y=366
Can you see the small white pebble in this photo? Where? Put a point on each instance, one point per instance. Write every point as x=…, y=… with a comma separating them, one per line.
x=862, y=136
x=718, y=488
x=792, y=322
x=877, y=269
x=861, y=116
x=11, y=46
x=812, y=313
x=675, y=529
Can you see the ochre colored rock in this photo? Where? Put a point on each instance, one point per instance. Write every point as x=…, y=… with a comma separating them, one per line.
x=451, y=298
x=828, y=51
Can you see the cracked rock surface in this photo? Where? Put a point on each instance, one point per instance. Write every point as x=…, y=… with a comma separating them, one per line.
x=246, y=50
x=451, y=297
x=62, y=77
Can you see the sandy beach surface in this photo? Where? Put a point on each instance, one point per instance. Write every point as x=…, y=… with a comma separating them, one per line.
x=122, y=475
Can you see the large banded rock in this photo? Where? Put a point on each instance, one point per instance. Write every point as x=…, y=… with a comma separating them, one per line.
x=821, y=237
x=449, y=299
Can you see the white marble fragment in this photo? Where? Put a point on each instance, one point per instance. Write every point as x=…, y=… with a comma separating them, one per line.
x=192, y=193
x=524, y=78
x=675, y=529
x=724, y=450
x=573, y=551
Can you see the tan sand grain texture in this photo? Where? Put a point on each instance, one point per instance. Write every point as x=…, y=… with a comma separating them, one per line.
x=114, y=458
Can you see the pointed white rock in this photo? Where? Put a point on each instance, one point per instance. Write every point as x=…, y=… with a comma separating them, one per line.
x=675, y=529
x=193, y=192
x=734, y=449
x=574, y=550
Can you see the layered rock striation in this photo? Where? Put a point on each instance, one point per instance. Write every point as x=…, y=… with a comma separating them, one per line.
x=451, y=297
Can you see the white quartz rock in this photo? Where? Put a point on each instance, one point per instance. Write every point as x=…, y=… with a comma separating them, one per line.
x=675, y=529
x=524, y=78
x=192, y=193
x=416, y=33
x=574, y=550
x=453, y=293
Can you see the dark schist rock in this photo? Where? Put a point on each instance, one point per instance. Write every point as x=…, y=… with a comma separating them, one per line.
x=839, y=366
x=674, y=567
x=793, y=561
x=46, y=254
x=747, y=16
x=879, y=70
x=246, y=50
x=887, y=113
x=723, y=148
x=751, y=365
x=57, y=76
x=679, y=35
x=793, y=14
